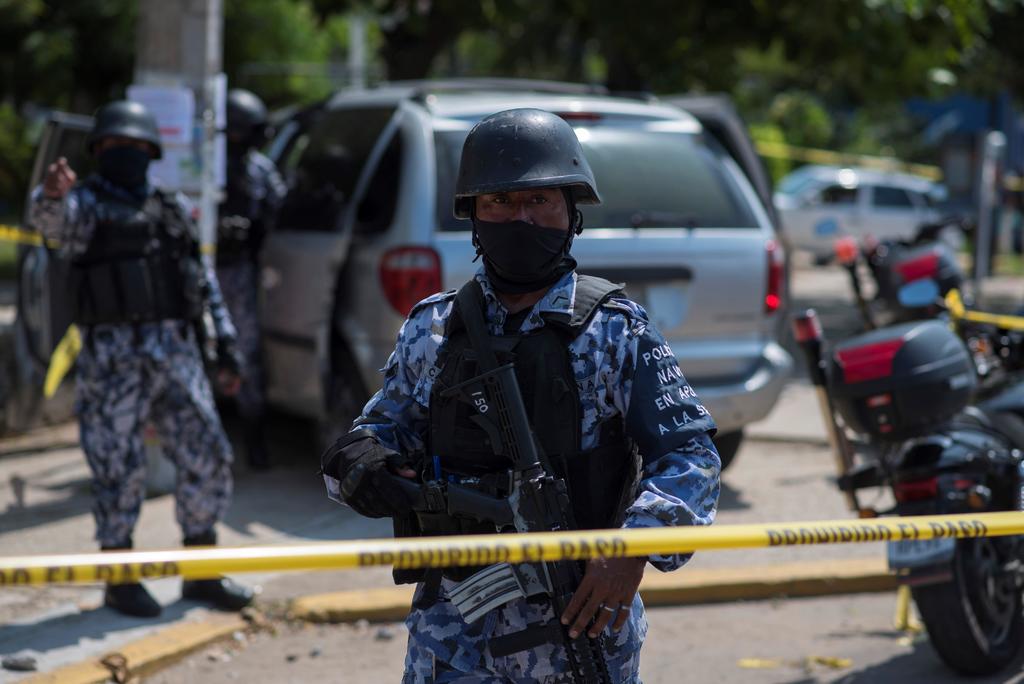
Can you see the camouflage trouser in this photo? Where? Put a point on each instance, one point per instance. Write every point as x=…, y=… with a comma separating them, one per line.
x=239, y=282
x=130, y=376
x=445, y=650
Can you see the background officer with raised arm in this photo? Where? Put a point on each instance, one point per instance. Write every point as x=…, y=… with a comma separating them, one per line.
x=140, y=287
x=254, y=194
x=606, y=401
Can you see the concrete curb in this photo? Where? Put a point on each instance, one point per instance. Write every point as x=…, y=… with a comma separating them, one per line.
x=687, y=587
x=812, y=440
x=149, y=654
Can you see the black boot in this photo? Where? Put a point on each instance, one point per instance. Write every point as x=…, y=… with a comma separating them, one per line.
x=256, y=443
x=132, y=598
x=224, y=593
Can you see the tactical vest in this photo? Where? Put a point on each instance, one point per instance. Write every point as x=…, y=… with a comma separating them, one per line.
x=142, y=263
x=601, y=481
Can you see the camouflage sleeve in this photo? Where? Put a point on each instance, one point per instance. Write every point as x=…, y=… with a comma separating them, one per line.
x=397, y=413
x=680, y=479
x=69, y=221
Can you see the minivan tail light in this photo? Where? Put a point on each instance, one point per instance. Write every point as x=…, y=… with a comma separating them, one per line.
x=776, y=273
x=409, y=274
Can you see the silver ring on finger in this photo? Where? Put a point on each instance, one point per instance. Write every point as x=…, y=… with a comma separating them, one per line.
x=608, y=608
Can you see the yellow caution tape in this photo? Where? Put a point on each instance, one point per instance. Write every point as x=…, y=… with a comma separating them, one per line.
x=62, y=359
x=22, y=237
x=760, y=663
x=807, y=663
x=957, y=310
x=493, y=548
x=904, y=619
x=816, y=156
x=28, y=237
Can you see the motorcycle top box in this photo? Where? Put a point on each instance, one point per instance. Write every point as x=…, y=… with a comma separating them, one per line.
x=895, y=265
x=895, y=382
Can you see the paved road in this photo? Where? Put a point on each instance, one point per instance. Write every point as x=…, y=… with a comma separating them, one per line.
x=803, y=641
x=45, y=502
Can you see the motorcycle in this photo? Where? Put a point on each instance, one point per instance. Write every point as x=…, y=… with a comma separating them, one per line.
x=892, y=264
x=936, y=416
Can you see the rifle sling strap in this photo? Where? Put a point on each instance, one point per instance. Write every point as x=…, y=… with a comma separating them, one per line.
x=551, y=632
x=470, y=301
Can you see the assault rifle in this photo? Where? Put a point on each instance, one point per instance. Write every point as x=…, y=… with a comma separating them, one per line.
x=538, y=502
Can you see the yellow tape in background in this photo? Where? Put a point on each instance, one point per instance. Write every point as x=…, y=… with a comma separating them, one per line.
x=780, y=150
x=31, y=238
x=61, y=360
x=130, y=566
x=20, y=236
x=957, y=310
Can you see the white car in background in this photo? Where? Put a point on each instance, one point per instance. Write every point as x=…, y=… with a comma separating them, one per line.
x=818, y=204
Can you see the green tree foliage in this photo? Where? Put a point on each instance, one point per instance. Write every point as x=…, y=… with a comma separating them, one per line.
x=15, y=161
x=835, y=56
x=278, y=49
x=803, y=117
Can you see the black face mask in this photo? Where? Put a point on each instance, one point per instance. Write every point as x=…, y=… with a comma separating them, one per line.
x=521, y=257
x=124, y=165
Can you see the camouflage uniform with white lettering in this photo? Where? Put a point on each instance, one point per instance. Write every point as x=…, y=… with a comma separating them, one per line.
x=131, y=374
x=625, y=372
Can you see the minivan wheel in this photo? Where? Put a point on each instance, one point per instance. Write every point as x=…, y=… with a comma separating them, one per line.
x=727, y=444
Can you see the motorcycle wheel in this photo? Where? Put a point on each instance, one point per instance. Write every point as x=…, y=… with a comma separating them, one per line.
x=975, y=621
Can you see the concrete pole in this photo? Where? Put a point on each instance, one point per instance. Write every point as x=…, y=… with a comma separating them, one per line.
x=988, y=193
x=357, y=50
x=178, y=43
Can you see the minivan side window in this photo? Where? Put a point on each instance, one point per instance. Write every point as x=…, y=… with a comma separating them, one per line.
x=891, y=198
x=646, y=178
x=377, y=207
x=838, y=194
x=327, y=166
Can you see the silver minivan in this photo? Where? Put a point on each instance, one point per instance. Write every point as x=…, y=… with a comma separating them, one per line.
x=367, y=230
x=819, y=204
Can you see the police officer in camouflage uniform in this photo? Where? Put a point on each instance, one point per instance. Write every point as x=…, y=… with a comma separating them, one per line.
x=139, y=286
x=255, y=191
x=607, y=402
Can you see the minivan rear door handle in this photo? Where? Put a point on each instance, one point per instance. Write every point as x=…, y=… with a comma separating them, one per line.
x=640, y=274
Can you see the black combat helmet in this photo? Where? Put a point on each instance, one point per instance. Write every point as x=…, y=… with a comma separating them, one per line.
x=126, y=119
x=520, y=149
x=247, y=115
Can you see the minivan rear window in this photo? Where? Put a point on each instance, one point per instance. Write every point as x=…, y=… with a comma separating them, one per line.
x=646, y=178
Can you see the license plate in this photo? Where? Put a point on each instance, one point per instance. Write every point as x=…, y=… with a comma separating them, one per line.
x=919, y=553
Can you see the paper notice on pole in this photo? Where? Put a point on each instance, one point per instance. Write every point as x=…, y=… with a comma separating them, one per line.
x=220, y=100
x=173, y=108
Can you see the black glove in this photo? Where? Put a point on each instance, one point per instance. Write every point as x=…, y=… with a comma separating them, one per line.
x=361, y=464
x=229, y=358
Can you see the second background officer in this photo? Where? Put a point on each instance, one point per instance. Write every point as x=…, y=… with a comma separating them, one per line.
x=254, y=194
